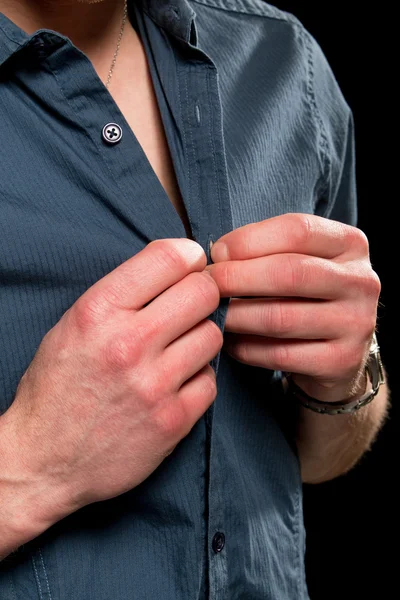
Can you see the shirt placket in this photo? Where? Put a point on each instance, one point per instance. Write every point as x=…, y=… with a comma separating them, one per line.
x=209, y=210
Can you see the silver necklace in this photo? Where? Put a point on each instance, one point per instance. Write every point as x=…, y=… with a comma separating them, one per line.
x=118, y=43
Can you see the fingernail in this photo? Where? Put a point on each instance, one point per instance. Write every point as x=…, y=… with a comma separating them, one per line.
x=192, y=250
x=219, y=252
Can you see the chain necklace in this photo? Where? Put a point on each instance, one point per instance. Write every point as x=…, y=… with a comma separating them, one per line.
x=118, y=43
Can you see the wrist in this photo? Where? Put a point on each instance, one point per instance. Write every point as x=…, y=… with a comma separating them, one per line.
x=359, y=391
x=332, y=391
x=28, y=504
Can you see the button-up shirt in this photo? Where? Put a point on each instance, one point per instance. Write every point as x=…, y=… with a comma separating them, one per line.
x=256, y=126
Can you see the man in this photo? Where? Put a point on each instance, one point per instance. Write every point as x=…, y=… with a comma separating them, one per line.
x=176, y=176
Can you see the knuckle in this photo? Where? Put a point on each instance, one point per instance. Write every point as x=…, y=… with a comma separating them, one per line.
x=151, y=388
x=356, y=239
x=123, y=351
x=168, y=256
x=280, y=357
x=300, y=226
x=203, y=397
x=168, y=423
x=208, y=384
x=278, y=317
x=147, y=329
x=224, y=273
x=205, y=286
x=213, y=334
x=367, y=282
x=88, y=311
x=241, y=242
x=375, y=285
x=240, y=350
x=295, y=273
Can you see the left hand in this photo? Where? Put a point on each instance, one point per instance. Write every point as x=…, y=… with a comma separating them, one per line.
x=313, y=300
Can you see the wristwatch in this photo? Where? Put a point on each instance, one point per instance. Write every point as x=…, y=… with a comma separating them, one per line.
x=374, y=371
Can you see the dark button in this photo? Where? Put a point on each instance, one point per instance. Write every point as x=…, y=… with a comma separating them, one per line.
x=112, y=133
x=218, y=541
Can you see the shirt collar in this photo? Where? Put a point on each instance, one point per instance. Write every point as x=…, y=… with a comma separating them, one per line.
x=175, y=16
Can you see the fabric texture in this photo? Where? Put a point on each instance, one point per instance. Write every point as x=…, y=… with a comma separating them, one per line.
x=257, y=126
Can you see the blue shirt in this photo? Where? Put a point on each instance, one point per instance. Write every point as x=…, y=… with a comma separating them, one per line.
x=257, y=126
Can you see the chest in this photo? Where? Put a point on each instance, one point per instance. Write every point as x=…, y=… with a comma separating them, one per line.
x=133, y=91
x=73, y=207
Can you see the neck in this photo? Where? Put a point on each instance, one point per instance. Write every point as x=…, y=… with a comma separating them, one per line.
x=84, y=22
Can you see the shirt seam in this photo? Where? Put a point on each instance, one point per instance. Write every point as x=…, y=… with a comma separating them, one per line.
x=291, y=20
x=12, y=39
x=323, y=146
x=210, y=131
x=296, y=532
x=284, y=17
x=163, y=27
x=39, y=587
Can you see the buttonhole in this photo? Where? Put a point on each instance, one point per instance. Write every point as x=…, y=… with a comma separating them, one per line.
x=198, y=115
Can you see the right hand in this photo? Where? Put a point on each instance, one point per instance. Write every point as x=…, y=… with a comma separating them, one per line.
x=117, y=382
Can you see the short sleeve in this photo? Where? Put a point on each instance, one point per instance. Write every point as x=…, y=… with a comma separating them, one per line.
x=335, y=123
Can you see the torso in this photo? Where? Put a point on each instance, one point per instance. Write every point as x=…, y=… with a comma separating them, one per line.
x=138, y=104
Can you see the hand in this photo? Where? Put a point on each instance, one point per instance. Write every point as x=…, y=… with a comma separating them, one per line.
x=115, y=384
x=313, y=300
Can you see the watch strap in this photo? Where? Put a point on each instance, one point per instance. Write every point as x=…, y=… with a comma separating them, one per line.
x=374, y=371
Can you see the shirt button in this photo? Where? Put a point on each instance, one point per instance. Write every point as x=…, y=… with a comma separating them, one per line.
x=112, y=133
x=218, y=541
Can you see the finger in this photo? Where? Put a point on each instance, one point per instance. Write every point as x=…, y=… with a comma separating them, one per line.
x=286, y=318
x=177, y=310
x=305, y=357
x=282, y=275
x=147, y=274
x=197, y=395
x=187, y=355
x=297, y=233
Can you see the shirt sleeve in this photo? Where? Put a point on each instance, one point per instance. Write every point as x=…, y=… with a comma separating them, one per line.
x=335, y=125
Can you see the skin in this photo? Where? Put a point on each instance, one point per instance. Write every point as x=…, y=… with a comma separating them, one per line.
x=312, y=312
x=114, y=386
x=103, y=402
x=92, y=26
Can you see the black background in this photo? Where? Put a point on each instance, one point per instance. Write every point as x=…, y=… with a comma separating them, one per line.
x=352, y=522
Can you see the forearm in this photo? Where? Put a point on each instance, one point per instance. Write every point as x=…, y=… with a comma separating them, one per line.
x=330, y=446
